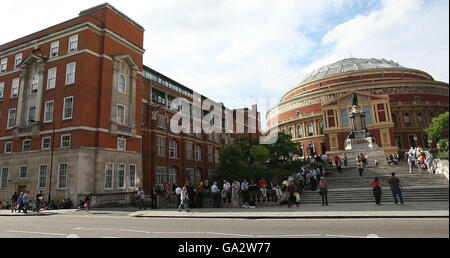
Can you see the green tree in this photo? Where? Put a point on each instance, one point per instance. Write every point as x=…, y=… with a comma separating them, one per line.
x=438, y=128
x=259, y=153
x=279, y=151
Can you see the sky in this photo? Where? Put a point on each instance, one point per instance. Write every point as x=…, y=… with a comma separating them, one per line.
x=231, y=50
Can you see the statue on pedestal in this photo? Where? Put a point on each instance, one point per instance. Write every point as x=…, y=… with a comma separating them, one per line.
x=354, y=99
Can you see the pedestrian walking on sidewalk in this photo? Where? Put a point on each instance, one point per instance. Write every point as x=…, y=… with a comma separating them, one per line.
x=26, y=201
x=20, y=201
x=377, y=190
x=39, y=198
x=87, y=202
x=323, y=190
x=215, y=195
x=178, y=193
x=396, y=188
x=14, y=199
x=184, y=200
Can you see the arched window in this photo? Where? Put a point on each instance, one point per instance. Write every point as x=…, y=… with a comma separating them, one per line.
x=310, y=129
x=420, y=119
x=321, y=127
x=407, y=120
x=394, y=119
x=122, y=87
x=300, y=131
x=291, y=132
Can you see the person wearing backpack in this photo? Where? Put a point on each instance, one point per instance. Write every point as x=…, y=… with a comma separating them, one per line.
x=377, y=190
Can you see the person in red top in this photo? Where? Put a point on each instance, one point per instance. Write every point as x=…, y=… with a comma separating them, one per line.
x=262, y=185
x=376, y=190
x=336, y=160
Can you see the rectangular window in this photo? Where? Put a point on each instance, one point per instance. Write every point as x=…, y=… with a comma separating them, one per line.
x=161, y=146
x=381, y=113
x=65, y=141
x=31, y=114
x=210, y=154
x=132, y=176
x=190, y=174
x=73, y=43
x=161, y=176
x=17, y=59
x=120, y=114
x=48, y=113
x=198, y=153
x=46, y=143
x=161, y=122
x=68, y=108
x=51, y=78
x=26, y=145
x=344, y=117
x=34, y=83
x=62, y=175
x=331, y=122
x=11, y=118
x=121, y=144
x=42, y=176
x=54, y=49
x=2, y=90
x=3, y=64
x=109, y=171
x=173, y=177
x=8, y=147
x=368, y=118
x=4, y=178
x=189, y=151
x=173, y=149
x=15, y=88
x=23, y=171
x=121, y=176
x=70, y=73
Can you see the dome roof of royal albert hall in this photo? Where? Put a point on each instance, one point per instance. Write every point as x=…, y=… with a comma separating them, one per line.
x=350, y=64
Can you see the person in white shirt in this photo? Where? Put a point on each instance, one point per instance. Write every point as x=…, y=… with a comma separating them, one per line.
x=184, y=200
x=215, y=195
x=226, y=192
x=178, y=193
x=235, y=190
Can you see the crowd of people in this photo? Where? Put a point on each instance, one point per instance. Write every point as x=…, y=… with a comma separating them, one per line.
x=417, y=158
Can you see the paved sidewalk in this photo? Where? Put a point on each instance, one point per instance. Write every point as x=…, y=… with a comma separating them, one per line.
x=42, y=213
x=338, y=210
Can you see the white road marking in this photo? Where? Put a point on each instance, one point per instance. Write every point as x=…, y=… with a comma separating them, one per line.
x=228, y=234
x=372, y=236
x=72, y=236
x=306, y=235
x=39, y=233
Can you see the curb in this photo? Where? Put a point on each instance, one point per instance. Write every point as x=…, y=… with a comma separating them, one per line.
x=293, y=217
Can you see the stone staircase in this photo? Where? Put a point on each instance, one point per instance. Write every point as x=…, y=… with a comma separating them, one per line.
x=349, y=187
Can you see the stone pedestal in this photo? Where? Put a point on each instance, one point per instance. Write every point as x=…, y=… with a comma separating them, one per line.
x=360, y=140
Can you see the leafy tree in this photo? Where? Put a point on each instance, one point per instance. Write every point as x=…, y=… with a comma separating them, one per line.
x=279, y=151
x=438, y=128
x=259, y=153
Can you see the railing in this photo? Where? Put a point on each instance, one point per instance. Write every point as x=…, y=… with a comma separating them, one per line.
x=123, y=199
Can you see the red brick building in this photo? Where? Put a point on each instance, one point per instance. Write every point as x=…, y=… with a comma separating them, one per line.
x=399, y=103
x=80, y=88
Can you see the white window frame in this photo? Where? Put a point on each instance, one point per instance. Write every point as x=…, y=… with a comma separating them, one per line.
x=112, y=176
x=161, y=121
x=69, y=73
x=15, y=84
x=29, y=112
x=124, y=140
x=54, y=49
x=20, y=172
x=124, y=114
x=119, y=170
x=9, y=126
x=189, y=151
x=46, y=120
x=70, y=140
x=64, y=108
x=40, y=176
x=3, y=64
x=2, y=90
x=210, y=153
x=51, y=78
x=16, y=58
x=58, y=185
x=160, y=175
x=198, y=154
x=173, y=177
x=132, y=175
x=42, y=143
x=34, y=83
x=72, y=39
x=6, y=144
x=173, y=149
x=160, y=145
x=23, y=145
x=124, y=84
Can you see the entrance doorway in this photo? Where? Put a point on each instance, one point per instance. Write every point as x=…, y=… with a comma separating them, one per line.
x=21, y=188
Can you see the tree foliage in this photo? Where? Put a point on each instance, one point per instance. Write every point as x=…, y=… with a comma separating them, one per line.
x=439, y=127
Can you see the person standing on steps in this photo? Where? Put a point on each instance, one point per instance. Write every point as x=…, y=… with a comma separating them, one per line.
x=377, y=190
x=345, y=160
x=360, y=167
x=411, y=163
x=323, y=190
x=396, y=188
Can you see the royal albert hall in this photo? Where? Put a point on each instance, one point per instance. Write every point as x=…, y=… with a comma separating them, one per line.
x=398, y=102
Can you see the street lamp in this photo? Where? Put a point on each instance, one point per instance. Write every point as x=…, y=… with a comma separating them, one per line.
x=51, y=158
